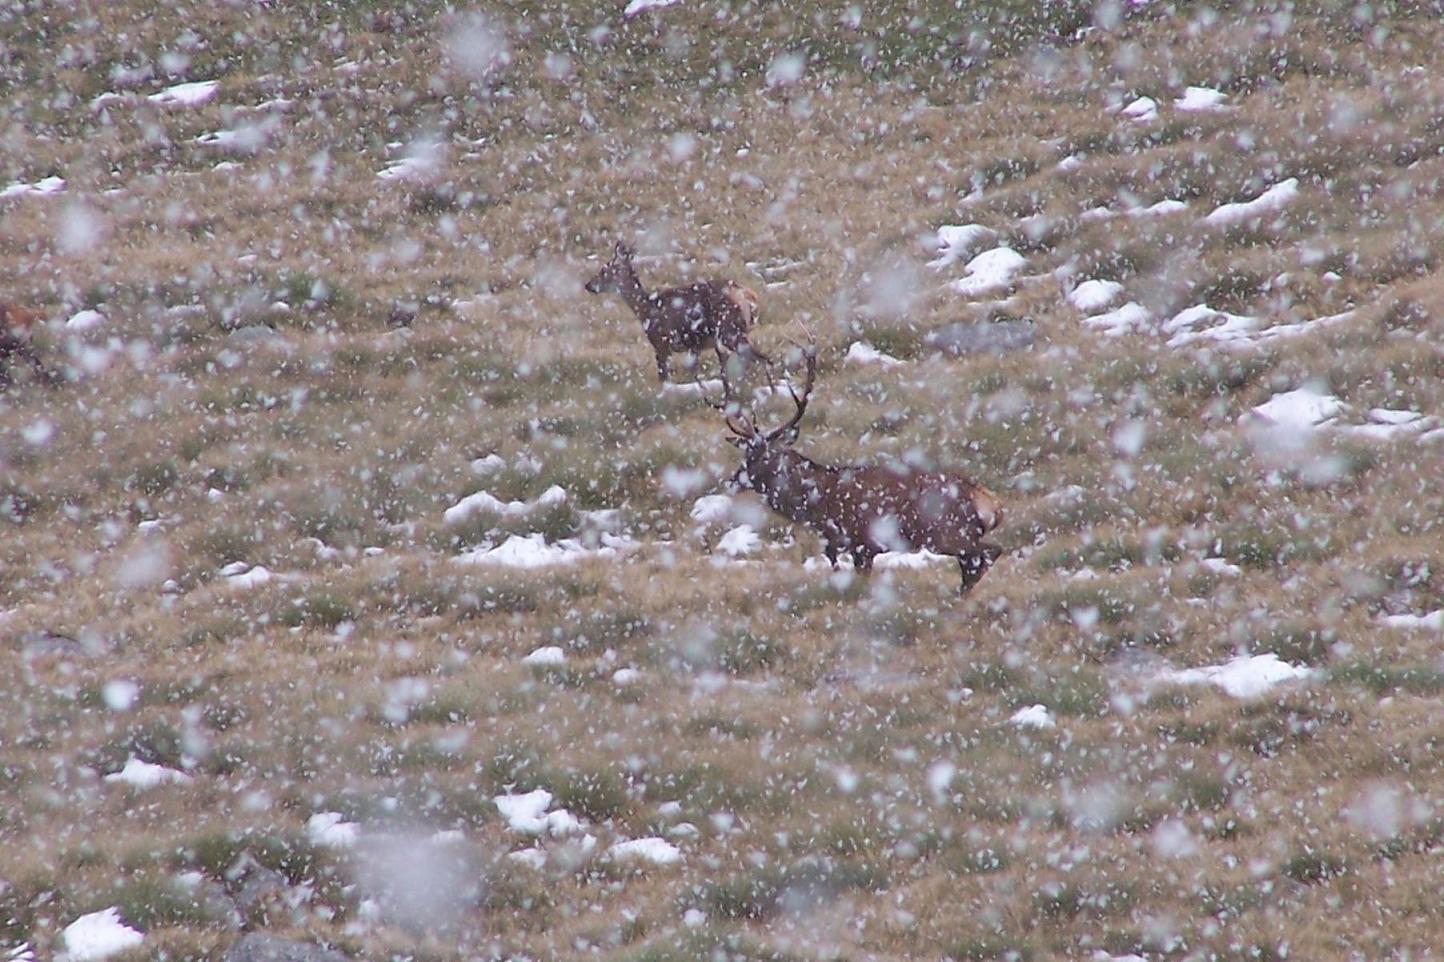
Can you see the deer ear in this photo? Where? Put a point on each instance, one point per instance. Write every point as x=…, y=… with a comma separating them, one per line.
x=623, y=251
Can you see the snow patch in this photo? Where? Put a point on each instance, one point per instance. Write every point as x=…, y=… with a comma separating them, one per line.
x=191, y=94
x=533, y=551
x=635, y=7
x=1433, y=621
x=47, y=185
x=327, y=830
x=526, y=814
x=1185, y=326
x=656, y=850
x=1275, y=198
x=1158, y=209
x=482, y=501
x=143, y=775
x=990, y=271
x=549, y=655
x=98, y=935
x=861, y=352
x=84, y=320
x=956, y=241
x=741, y=540
x=1122, y=320
x=1198, y=99
x=712, y=508
x=242, y=577
x=1034, y=716
x=1142, y=110
x=1092, y=296
x=1247, y=676
x=1297, y=411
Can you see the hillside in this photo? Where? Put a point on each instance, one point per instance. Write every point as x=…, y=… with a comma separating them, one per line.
x=362, y=520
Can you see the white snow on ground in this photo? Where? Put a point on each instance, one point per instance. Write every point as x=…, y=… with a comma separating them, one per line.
x=658, y=851
x=697, y=388
x=1092, y=296
x=549, y=655
x=624, y=677
x=1158, y=209
x=98, y=935
x=1122, y=320
x=1220, y=566
x=48, y=185
x=191, y=94
x=741, y=540
x=1185, y=326
x=19, y=953
x=635, y=7
x=1275, y=198
x=712, y=508
x=1385, y=424
x=861, y=352
x=532, y=858
x=139, y=774
x=1197, y=99
x=418, y=166
x=84, y=320
x=888, y=559
x=482, y=501
x=1143, y=110
x=990, y=271
x=533, y=551
x=1433, y=621
x=327, y=830
x=1034, y=716
x=1300, y=410
x=243, y=577
x=490, y=464
x=526, y=814
x=1247, y=676
x=957, y=241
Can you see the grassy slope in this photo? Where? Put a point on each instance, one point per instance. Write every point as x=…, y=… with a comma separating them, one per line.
x=1046, y=844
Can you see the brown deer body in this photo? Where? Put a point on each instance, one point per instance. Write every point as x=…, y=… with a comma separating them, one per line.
x=682, y=319
x=17, y=327
x=865, y=510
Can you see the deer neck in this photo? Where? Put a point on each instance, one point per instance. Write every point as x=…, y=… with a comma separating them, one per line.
x=632, y=291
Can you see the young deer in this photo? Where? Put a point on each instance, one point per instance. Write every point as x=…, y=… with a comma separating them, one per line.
x=864, y=510
x=682, y=319
x=17, y=326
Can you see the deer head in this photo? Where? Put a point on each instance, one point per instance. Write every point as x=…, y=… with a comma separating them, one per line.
x=611, y=277
x=765, y=453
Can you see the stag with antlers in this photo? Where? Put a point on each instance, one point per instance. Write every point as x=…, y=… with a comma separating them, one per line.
x=682, y=319
x=863, y=510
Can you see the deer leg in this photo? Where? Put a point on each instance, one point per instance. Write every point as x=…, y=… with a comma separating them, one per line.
x=663, y=372
x=862, y=558
x=975, y=564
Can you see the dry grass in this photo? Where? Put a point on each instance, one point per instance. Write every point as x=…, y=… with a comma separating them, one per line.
x=794, y=718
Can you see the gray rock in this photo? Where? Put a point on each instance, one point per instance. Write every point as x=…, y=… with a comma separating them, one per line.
x=982, y=337
x=260, y=947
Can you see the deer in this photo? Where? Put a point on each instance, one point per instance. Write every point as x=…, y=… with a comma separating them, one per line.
x=862, y=510
x=17, y=327
x=682, y=319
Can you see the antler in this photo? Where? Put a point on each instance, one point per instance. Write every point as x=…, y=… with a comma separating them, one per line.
x=810, y=354
x=729, y=407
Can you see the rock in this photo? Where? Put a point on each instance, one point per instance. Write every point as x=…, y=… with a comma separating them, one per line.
x=260, y=947
x=982, y=337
